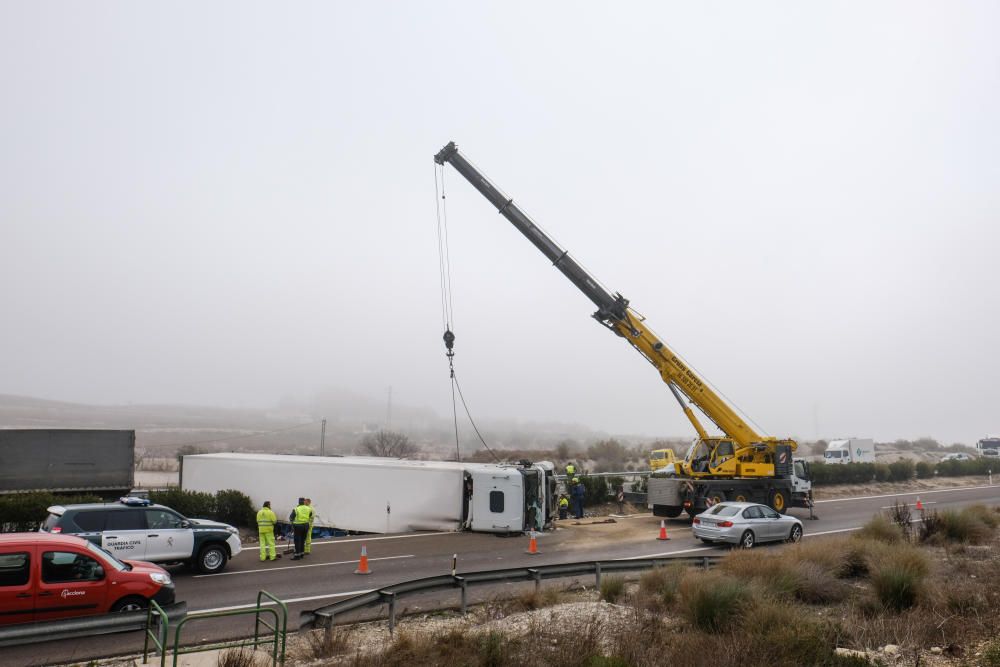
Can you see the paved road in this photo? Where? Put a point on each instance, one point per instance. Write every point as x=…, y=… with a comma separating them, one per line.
x=327, y=574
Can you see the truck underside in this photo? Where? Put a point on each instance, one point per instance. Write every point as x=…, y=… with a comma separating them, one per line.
x=668, y=497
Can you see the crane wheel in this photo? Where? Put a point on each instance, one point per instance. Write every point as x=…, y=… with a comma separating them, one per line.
x=741, y=498
x=778, y=502
x=715, y=497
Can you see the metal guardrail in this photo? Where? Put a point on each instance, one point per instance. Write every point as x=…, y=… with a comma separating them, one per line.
x=325, y=617
x=86, y=626
x=276, y=638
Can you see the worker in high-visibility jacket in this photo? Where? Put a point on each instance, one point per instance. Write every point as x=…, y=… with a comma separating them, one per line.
x=309, y=532
x=266, y=520
x=563, y=507
x=300, y=518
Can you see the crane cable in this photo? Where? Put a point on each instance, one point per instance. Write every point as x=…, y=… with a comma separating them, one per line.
x=448, y=309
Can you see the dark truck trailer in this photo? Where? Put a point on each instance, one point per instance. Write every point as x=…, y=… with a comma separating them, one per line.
x=67, y=460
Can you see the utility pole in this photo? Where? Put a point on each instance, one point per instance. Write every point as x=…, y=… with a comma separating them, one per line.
x=322, y=439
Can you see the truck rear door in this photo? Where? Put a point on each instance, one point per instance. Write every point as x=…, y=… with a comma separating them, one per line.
x=497, y=501
x=17, y=588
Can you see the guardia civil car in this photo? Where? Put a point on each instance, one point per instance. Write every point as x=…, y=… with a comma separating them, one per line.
x=136, y=529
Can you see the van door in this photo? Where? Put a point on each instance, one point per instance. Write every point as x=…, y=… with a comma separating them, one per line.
x=166, y=537
x=497, y=502
x=17, y=590
x=125, y=534
x=72, y=584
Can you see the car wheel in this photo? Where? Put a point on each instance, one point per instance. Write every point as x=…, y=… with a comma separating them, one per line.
x=212, y=558
x=778, y=502
x=796, y=534
x=132, y=603
x=747, y=541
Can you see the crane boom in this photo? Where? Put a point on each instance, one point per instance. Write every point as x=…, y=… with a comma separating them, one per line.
x=613, y=311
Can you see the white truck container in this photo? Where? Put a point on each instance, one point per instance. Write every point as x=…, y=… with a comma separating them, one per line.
x=851, y=450
x=384, y=495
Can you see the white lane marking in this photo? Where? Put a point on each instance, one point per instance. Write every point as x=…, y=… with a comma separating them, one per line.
x=929, y=502
x=905, y=493
x=293, y=567
x=270, y=603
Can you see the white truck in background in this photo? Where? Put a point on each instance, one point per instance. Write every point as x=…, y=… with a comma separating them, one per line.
x=384, y=495
x=850, y=450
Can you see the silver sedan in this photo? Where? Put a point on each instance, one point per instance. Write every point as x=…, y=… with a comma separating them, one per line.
x=745, y=524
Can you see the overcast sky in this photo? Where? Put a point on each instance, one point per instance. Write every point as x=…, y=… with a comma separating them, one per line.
x=228, y=203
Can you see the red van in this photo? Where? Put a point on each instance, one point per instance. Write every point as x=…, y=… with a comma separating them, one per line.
x=45, y=577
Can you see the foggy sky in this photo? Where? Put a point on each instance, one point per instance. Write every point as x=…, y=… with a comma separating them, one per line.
x=228, y=203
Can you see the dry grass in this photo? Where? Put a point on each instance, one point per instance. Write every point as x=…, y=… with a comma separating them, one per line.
x=881, y=529
x=324, y=643
x=758, y=608
x=242, y=656
x=612, y=588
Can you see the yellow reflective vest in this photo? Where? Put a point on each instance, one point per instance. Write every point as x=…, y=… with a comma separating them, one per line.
x=266, y=519
x=303, y=514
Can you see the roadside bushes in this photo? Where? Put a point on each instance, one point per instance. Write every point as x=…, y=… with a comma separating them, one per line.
x=898, y=471
x=228, y=506
x=25, y=512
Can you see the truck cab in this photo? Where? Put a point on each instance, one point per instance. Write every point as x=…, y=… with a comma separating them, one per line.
x=662, y=459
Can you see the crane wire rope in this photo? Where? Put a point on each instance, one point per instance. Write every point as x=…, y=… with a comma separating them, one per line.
x=448, y=309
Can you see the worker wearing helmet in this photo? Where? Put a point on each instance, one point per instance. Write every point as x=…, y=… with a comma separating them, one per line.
x=266, y=519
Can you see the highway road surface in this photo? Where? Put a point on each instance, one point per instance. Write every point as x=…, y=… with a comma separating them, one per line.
x=327, y=574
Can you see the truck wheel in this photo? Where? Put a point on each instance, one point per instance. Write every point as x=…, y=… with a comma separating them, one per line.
x=211, y=559
x=747, y=541
x=715, y=497
x=669, y=511
x=778, y=501
x=741, y=497
x=131, y=603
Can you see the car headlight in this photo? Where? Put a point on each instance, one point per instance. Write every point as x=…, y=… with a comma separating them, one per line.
x=160, y=577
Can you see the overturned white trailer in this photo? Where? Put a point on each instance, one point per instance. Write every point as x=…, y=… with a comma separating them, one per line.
x=383, y=495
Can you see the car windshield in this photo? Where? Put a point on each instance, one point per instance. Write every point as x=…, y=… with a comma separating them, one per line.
x=114, y=562
x=658, y=455
x=724, y=510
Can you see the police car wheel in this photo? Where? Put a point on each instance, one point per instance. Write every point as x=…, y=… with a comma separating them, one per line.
x=212, y=558
x=132, y=603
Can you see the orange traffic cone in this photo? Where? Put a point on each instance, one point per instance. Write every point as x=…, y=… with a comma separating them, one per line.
x=532, y=546
x=363, y=563
x=920, y=505
x=663, y=530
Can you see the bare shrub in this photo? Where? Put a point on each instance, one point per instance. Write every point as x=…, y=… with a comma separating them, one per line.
x=900, y=515
x=388, y=443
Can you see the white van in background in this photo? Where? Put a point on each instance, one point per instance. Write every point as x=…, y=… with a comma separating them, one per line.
x=851, y=450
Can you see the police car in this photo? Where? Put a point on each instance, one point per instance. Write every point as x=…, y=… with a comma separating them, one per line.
x=136, y=529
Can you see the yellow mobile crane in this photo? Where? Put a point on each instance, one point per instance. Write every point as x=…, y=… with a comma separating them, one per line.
x=739, y=465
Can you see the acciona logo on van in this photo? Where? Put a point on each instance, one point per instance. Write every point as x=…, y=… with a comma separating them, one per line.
x=66, y=593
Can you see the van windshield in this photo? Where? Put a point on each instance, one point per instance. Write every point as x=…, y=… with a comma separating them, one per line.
x=114, y=562
x=833, y=455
